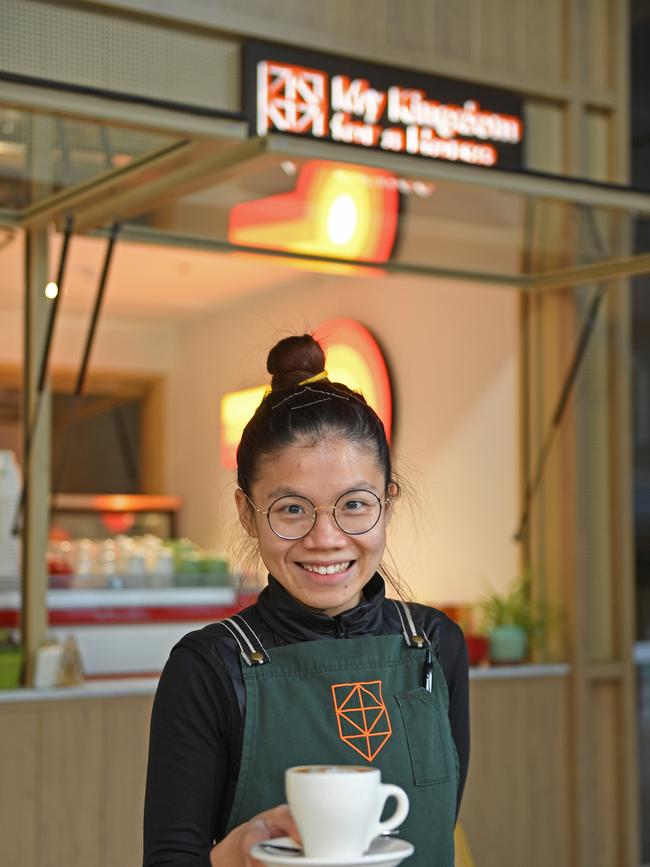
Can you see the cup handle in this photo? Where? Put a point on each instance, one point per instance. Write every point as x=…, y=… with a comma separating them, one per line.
x=387, y=791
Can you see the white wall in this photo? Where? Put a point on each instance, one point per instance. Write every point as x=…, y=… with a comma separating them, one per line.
x=452, y=349
x=120, y=345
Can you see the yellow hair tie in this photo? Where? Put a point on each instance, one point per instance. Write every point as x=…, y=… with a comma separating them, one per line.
x=316, y=378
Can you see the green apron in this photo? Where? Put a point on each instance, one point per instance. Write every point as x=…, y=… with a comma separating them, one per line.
x=355, y=701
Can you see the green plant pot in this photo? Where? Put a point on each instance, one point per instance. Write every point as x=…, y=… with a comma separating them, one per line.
x=11, y=664
x=508, y=644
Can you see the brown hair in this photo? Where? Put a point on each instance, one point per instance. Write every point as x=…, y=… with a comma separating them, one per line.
x=291, y=411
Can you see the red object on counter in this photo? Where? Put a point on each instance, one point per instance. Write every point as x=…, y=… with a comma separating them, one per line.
x=478, y=647
x=117, y=522
x=58, y=566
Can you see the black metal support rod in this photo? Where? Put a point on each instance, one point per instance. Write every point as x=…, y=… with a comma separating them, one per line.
x=574, y=369
x=45, y=358
x=90, y=337
x=83, y=369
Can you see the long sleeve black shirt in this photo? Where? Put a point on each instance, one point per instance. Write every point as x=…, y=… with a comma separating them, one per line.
x=197, y=719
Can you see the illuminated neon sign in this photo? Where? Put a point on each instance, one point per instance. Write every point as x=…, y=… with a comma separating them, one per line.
x=352, y=355
x=237, y=407
x=322, y=97
x=335, y=210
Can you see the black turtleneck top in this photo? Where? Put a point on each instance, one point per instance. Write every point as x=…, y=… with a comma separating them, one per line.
x=197, y=719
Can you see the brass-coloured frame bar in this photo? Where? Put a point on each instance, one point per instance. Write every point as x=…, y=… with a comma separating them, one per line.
x=549, y=187
x=209, y=162
x=101, y=187
x=8, y=220
x=147, y=235
x=608, y=269
x=581, y=274
x=102, y=109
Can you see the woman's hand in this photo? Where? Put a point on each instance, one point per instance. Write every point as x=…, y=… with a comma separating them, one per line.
x=233, y=849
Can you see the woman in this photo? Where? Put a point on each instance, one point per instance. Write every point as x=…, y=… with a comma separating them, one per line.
x=240, y=701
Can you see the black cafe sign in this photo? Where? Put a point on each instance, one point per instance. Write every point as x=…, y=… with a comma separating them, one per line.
x=335, y=99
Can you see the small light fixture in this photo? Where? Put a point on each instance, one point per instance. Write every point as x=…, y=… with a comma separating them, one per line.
x=51, y=291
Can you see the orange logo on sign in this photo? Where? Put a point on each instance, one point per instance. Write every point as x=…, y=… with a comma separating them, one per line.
x=362, y=716
x=291, y=99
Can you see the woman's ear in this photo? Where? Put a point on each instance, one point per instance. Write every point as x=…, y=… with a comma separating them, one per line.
x=246, y=513
x=392, y=493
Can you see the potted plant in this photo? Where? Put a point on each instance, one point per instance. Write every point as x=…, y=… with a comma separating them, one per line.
x=513, y=621
x=11, y=660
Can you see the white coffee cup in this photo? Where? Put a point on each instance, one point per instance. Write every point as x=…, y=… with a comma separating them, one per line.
x=337, y=808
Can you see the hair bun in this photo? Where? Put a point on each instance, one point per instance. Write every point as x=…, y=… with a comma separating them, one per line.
x=293, y=359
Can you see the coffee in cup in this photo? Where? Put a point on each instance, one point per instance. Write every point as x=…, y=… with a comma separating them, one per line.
x=337, y=808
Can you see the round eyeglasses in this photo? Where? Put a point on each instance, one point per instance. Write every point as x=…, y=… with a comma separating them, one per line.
x=292, y=517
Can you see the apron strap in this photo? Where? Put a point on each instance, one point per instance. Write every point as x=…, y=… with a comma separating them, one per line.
x=412, y=635
x=250, y=653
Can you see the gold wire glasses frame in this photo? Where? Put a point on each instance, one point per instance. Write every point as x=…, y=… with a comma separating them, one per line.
x=371, y=511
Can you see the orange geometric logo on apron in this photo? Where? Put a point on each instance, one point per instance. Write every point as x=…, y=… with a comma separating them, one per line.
x=362, y=716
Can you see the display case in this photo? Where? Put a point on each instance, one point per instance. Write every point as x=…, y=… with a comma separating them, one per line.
x=124, y=584
x=126, y=541
x=102, y=516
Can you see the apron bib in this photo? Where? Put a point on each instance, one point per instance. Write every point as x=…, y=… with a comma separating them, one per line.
x=355, y=701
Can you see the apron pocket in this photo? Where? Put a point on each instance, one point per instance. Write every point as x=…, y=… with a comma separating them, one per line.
x=424, y=737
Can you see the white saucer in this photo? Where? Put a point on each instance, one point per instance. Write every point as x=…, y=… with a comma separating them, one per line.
x=383, y=850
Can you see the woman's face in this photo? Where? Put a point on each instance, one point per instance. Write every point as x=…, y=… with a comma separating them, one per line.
x=321, y=473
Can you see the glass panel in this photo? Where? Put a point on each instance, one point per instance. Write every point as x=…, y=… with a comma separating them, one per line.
x=350, y=212
x=42, y=154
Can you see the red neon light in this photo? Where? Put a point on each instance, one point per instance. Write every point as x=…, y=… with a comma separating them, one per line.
x=351, y=333
x=342, y=334
x=336, y=210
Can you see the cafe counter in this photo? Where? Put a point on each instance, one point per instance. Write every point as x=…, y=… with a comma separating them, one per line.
x=74, y=763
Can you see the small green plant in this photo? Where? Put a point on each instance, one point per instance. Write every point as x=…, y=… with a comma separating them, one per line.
x=7, y=639
x=515, y=607
x=11, y=660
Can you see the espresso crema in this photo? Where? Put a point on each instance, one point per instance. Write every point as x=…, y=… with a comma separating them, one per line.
x=332, y=769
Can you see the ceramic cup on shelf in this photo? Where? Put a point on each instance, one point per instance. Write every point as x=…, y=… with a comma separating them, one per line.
x=508, y=644
x=47, y=668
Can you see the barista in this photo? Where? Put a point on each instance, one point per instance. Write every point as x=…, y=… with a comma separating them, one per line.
x=323, y=668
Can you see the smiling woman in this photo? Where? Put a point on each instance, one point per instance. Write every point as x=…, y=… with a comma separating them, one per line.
x=242, y=700
x=323, y=560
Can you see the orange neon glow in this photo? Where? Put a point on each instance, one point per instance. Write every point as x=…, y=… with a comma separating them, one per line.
x=352, y=356
x=336, y=210
x=237, y=407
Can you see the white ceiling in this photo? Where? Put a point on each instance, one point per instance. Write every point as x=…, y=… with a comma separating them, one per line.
x=145, y=281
